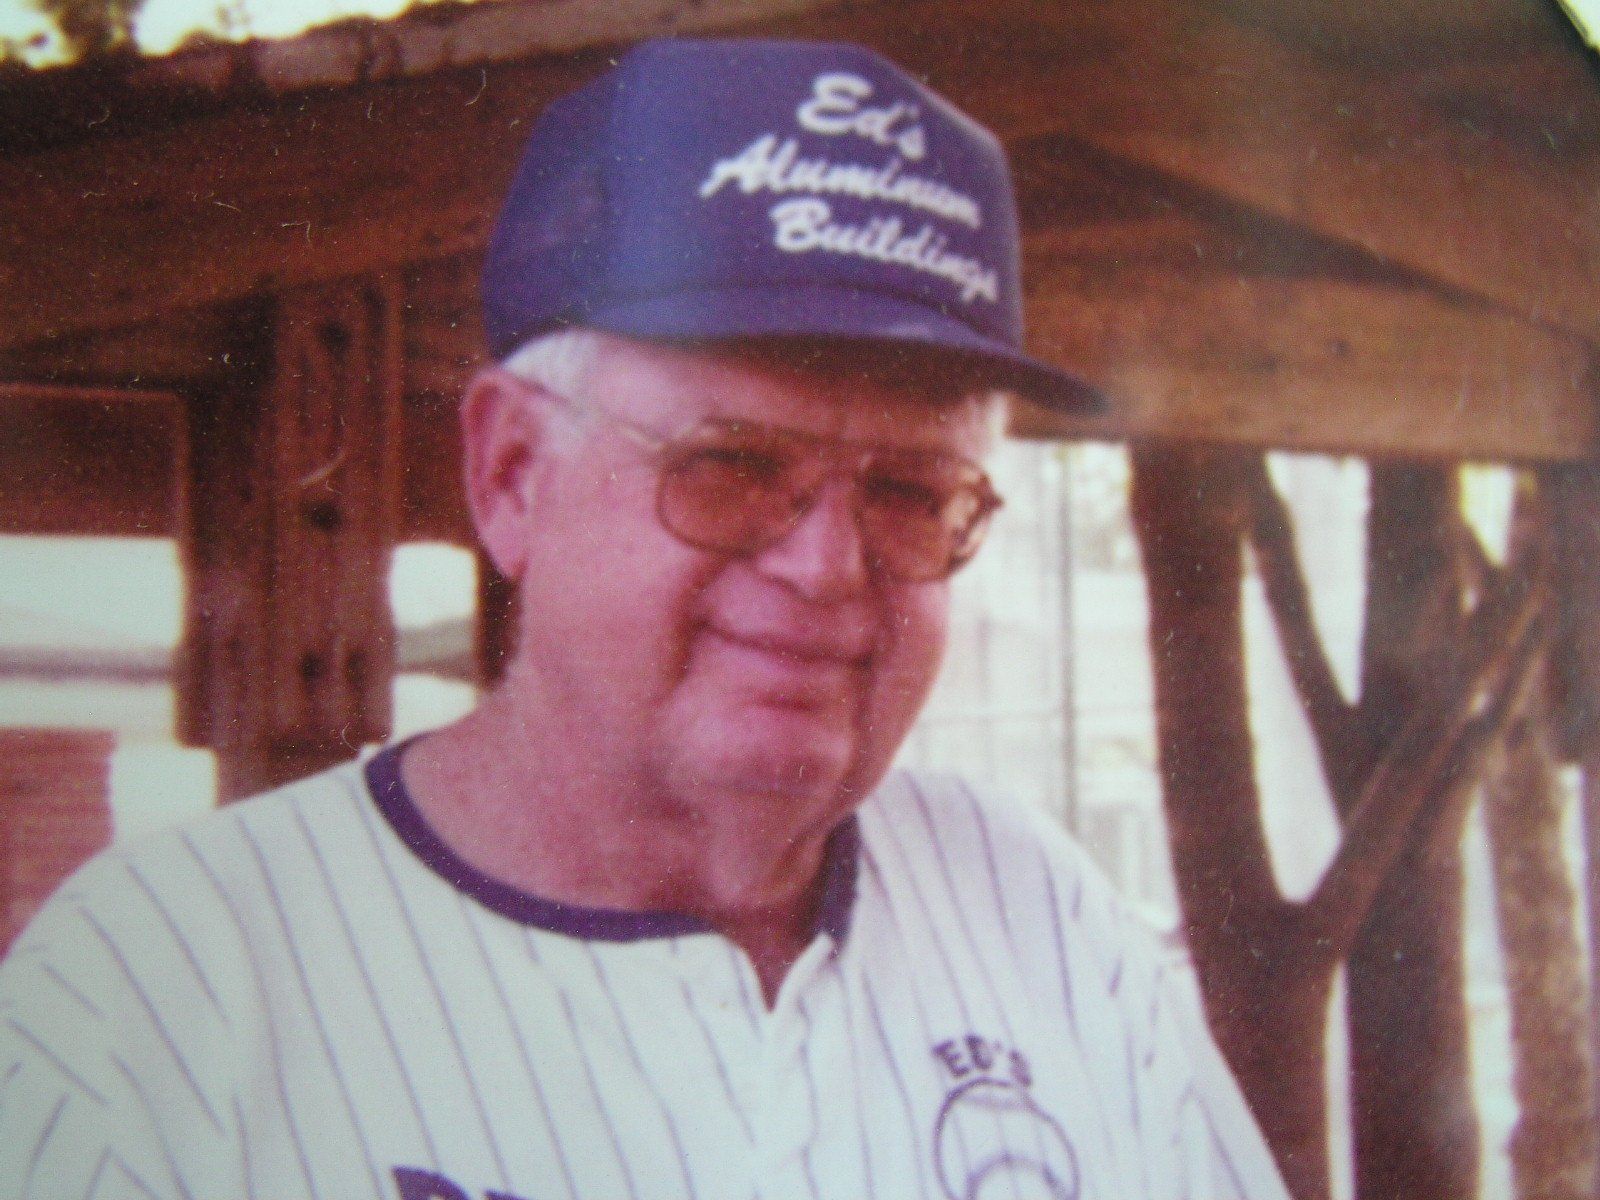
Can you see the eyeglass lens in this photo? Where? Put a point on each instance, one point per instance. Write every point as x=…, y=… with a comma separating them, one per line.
x=920, y=514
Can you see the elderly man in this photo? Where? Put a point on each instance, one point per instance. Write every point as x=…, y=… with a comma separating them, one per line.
x=656, y=920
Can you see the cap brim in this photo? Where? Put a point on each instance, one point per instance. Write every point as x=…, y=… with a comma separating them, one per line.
x=848, y=316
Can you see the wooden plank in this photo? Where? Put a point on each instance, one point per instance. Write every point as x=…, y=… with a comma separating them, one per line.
x=89, y=461
x=335, y=401
x=1205, y=319
x=100, y=455
x=1331, y=368
x=443, y=346
x=1218, y=348
x=289, y=639
x=1201, y=317
x=184, y=347
x=445, y=341
x=477, y=34
x=1501, y=200
x=75, y=463
x=214, y=205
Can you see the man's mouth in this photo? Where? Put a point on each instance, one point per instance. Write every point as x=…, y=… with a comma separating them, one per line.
x=800, y=646
x=793, y=670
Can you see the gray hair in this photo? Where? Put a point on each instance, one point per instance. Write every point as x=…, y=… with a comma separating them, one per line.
x=559, y=361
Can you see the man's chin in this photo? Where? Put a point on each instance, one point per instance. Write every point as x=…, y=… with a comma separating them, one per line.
x=777, y=754
x=794, y=776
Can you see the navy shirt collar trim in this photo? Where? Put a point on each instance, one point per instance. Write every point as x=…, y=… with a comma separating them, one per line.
x=394, y=802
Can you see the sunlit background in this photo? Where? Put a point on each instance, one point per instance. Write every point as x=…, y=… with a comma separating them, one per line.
x=30, y=34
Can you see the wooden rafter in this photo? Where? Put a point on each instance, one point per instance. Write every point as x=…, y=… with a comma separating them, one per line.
x=72, y=462
x=90, y=460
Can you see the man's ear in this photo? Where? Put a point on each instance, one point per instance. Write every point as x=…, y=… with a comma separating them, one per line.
x=501, y=433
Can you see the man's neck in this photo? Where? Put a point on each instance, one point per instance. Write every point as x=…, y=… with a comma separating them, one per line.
x=489, y=795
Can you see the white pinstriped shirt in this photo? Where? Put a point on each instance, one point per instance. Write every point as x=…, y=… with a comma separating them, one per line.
x=307, y=997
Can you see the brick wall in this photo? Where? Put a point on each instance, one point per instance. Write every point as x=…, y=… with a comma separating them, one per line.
x=54, y=813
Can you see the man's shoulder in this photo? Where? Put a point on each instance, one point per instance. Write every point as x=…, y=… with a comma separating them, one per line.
x=949, y=816
x=979, y=838
x=165, y=878
x=990, y=850
x=270, y=822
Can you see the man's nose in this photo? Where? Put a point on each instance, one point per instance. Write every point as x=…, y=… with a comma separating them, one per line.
x=823, y=557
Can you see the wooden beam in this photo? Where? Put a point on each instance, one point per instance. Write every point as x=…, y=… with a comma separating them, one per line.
x=1206, y=290
x=75, y=462
x=55, y=813
x=289, y=638
x=1201, y=324
x=1319, y=367
x=1206, y=319
x=89, y=461
x=183, y=348
x=204, y=205
x=100, y=453
x=445, y=341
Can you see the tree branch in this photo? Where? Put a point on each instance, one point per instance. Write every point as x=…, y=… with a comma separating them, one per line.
x=1434, y=757
x=1332, y=717
x=1187, y=514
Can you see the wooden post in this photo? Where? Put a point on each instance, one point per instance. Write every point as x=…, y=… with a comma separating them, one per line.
x=1574, y=495
x=289, y=649
x=1414, y=1126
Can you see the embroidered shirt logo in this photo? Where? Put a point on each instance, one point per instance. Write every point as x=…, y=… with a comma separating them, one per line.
x=991, y=1139
x=904, y=233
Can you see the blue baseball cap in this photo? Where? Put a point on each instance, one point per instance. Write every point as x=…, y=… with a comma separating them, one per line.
x=718, y=190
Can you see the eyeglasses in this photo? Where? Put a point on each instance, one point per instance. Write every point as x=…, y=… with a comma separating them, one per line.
x=738, y=487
